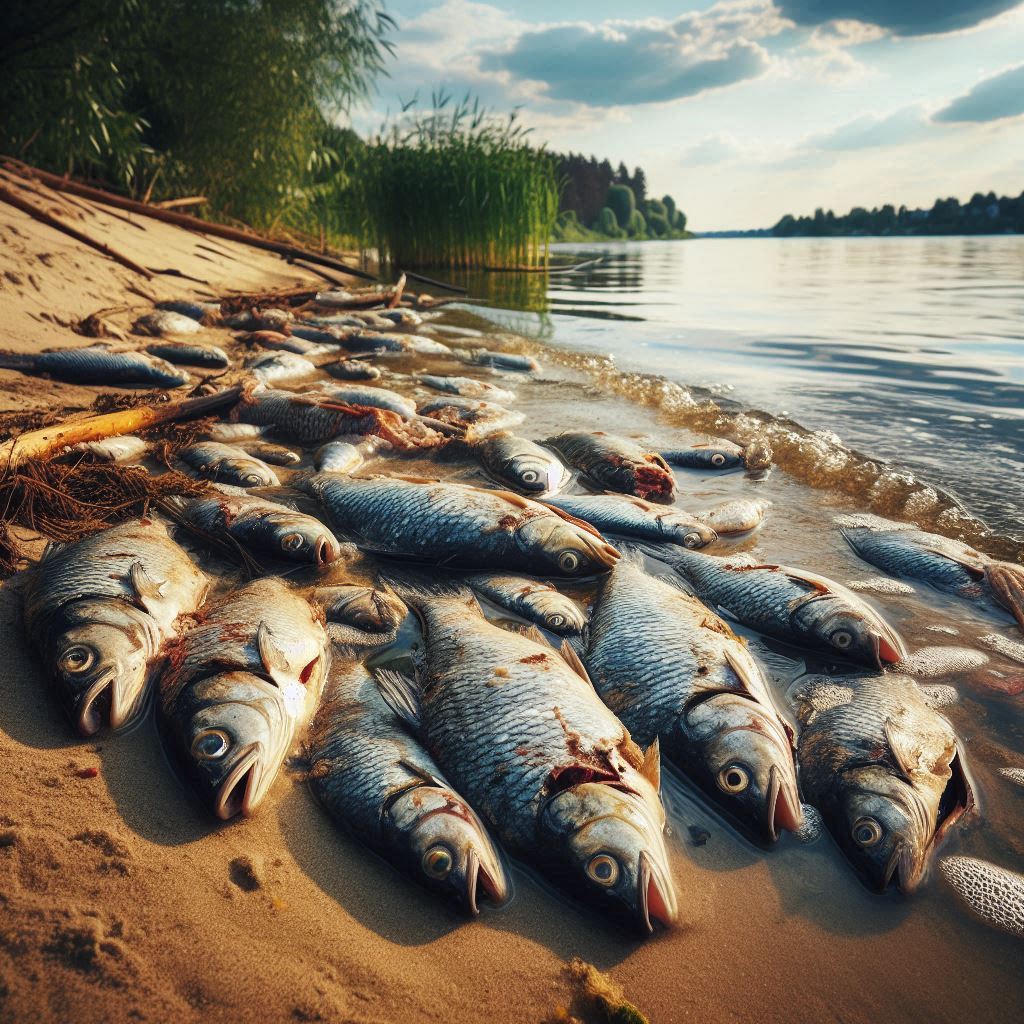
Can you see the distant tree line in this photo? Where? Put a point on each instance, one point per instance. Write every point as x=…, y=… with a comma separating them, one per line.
x=598, y=201
x=985, y=214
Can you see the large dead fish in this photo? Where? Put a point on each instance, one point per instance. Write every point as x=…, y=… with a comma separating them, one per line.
x=99, y=612
x=948, y=565
x=529, y=744
x=884, y=769
x=239, y=687
x=520, y=464
x=98, y=364
x=674, y=672
x=458, y=525
x=208, y=356
x=617, y=464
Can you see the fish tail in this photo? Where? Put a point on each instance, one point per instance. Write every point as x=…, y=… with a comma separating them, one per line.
x=1006, y=580
x=16, y=361
x=420, y=587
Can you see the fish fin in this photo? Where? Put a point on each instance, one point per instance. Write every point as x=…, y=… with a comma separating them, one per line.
x=939, y=695
x=581, y=523
x=905, y=748
x=416, y=479
x=749, y=674
x=52, y=549
x=650, y=769
x=147, y=590
x=814, y=697
x=727, y=613
x=402, y=695
x=417, y=587
x=975, y=568
x=572, y=659
x=428, y=778
x=1006, y=581
x=274, y=658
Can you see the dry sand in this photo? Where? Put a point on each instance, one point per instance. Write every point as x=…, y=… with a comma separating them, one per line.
x=121, y=901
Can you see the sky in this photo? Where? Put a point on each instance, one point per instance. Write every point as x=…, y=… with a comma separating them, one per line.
x=742, y=110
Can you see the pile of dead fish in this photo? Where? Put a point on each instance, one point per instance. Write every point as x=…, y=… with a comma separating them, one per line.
x=569, y=633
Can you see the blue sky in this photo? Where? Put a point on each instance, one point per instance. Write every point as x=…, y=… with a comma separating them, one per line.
x=743, y=109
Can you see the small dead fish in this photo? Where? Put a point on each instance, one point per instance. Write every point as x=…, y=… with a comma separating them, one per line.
x=337, y=457
x=263, y=526
x=479, y=416
x=240, y=685
x=352, y=369
x=98, y=364
x=402, y=317
x=229, y=432
x=164, y=322
x=467, y=387
x=125, y=448
x=384, y=341
x=617, y=464
x=376, y=397
x=534, y=600
x=990, y=892
x=283, y=365
x=369, y=609
x=196, y=310
x=501, y=360
x=287, y=343
x=99, y=613
x=322, y=336
x=261, y=320
x=275, y=454
x=228, y=464
x=177, y=352
x=633, y=517
x=714, y=455
x=884, y=769
x=520, y=464
x=335, y=299
x=739, y=516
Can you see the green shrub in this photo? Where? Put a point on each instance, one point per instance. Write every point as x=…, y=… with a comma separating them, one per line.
x=656, y=207
x=658, y=225
x=670, y=208
x=608, y=224
x=679, y=221
x=622, y=203
x=637, y=225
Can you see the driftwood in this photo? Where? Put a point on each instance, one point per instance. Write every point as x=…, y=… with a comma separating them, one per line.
x=174, y=204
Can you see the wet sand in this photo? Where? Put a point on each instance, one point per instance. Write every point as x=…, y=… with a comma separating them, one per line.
x=120, y=900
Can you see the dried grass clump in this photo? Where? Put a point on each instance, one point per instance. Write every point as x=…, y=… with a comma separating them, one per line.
x=597, y=999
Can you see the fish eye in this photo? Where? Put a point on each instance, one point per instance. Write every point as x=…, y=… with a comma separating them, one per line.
x=529, y=476
x=603, y=869
x=866, y=831
x=692, y=540
x=252, y=480
x=438, y=862
x=556, y=620
x=77, y=659
x=733, y=779
x=842, y=638
x=568, y=561
x=718, y=459
x=210, y=744
x=291, y=541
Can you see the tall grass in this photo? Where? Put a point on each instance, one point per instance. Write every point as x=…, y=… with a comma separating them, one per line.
x=454, y=188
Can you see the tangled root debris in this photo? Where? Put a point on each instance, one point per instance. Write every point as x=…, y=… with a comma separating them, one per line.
x=597, y=999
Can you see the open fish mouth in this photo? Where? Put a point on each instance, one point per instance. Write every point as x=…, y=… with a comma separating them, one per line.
x=237, y=793
x=905, y=868
x=888, y=647
x=324, y=551
x=601, y=552
x=102, y=705
x=656, y=897
x=480, y=882
x=783, y=805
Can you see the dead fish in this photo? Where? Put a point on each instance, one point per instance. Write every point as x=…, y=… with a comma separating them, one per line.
x=98, y=364
x=884, y=769
x=277, y=320
x=337, y=298
x=276, y=454
x=739, y=516
x=948, y=565
x=196, y=310
x=228, y=464
x=240, y=685
x=276, y=366
x=353, y=369
x=617, y=464
x=177, y=352
x=467, y=387
x=549, y=768
x=479, y=416
x=229, y=432
x=673, y=672
x=125, y=448
x=164, y=322
x=369, y=609
x=718, y=454
x=458, y=525
x=402, y=317
x=793, y=605
x=288, y=343
x=379, y=784
x=384, y=341
x=520, y=464
x=376, y=397
x=500, y=360
x=329, y=337
x=633, y=517
x=991, y=893
x=263, y=526
x=99, y=612
x=533, y=600
x=342, y=456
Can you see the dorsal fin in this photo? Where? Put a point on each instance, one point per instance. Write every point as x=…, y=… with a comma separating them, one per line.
x=273, y=656
x=906, y=750
x=581, y=523
x=147, y=590
x=402, y=695
x=651, y=767
x=572, y=659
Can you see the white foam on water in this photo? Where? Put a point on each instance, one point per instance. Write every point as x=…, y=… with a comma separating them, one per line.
x=994, y=894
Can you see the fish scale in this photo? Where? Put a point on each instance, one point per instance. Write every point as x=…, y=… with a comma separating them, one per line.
x=635, y=517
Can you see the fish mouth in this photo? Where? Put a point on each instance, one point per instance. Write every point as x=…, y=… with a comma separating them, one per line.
x=888, y=647
x=324, y=551
x=601, y=552
x=102, y=704
x=656, y=897
x=905, y=868
x=482, y=882
x=237, y=793
x=784, y=810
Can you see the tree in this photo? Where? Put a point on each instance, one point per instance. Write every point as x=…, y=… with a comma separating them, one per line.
x=637, y=225
x=607, y=223
x=621, y=200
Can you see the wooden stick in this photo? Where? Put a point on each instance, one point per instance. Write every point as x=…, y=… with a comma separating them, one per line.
x=434, y=283
x=174, y=204
x=396, y=298
x=37, y=444
x=7, y=196
x=183, y=220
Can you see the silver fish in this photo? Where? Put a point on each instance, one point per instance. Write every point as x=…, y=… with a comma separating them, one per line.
x=884, y=769
x=124, y=448
x=458, y=525
x=520, y=464
x=402, y=317
x=177, y=352
x=947, y=565
x=336, y=298
x=385, y=341
x=99, y=612
x=673, y=671
x=228, y=464
x=528, y=743
x=353, y=369
x=715, y=455
x=98, y=364
x=367, y=609
x=633, y=517
x=617, y=464
x=468, y=387
x=738, y=516
x=476, y=415
x=263, y=526
x=261, y=320
x=282, y=365
x=339, y=457
x=195, y=310
x=377, y=397
x=501, y=360
x=228, y=432
x=239, y=687
x=275, y=454
x=532, y=599
x=164, y=322
x=329, y=337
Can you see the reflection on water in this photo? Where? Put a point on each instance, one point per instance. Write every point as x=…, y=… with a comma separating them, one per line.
x=910, y=349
